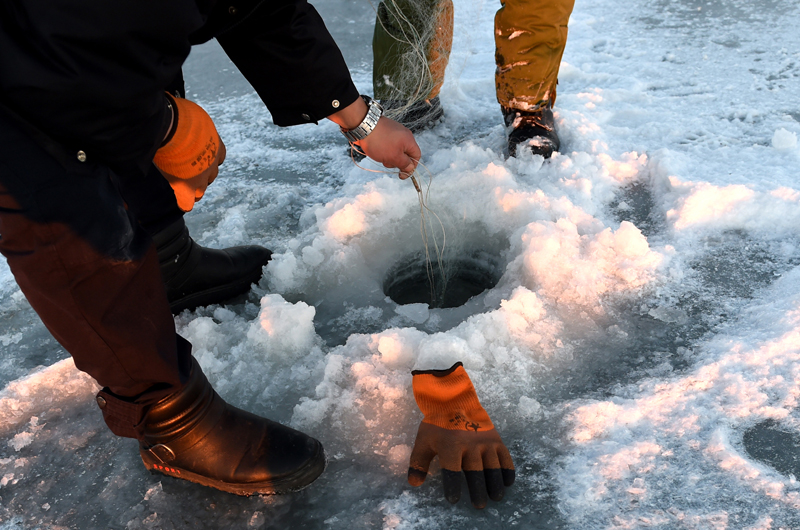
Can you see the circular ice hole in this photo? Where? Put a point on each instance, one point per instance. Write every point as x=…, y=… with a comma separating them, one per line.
x=414, y=281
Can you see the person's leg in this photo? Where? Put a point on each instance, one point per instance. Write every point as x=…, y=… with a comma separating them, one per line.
x=91, y=273
x=530, y=37
x=411, y=47
x=193, y=275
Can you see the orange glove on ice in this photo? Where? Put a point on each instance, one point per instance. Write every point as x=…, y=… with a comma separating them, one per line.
x=190, y=157
x=458, y=429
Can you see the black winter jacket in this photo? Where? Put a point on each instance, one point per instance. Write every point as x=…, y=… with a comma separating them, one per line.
x=90, y=74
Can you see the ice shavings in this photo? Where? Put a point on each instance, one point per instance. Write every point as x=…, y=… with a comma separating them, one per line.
x=283, y=328
x=417, y=313
x=493, y=203
x=784, y=140
x=704, y=206
x=366, y=387
x=395, y=351
x=707, y=203
x=46, y=388
x=569, y=268
x=352, y=218
x=8, y=339
x=529, y=408
x=684, y=430
x=264, y=361
x=327, y=249
x=24, y=439
x=364, y=405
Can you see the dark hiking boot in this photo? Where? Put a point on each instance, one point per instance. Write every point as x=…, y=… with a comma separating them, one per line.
x=196, y=276
x=531, y=131
x=417, y=116
x=196, y=436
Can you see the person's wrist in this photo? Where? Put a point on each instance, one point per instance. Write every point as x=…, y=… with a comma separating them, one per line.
x=365, y=127
x=351, y=115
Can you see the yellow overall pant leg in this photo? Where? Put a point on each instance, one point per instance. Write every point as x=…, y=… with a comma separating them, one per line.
x=530, y=36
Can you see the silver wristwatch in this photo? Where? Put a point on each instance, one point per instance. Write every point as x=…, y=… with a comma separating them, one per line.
x=374, y=113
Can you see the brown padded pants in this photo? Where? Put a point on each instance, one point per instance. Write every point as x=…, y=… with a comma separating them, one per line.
x=530, y=37
x=90, y=272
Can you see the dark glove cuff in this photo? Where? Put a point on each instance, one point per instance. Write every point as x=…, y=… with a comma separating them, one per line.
x=171, y=104
x=438, y=373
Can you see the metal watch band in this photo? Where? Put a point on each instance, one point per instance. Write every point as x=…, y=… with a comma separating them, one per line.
x=374, y=112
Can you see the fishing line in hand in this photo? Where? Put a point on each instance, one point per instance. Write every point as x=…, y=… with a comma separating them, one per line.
x=425, y=221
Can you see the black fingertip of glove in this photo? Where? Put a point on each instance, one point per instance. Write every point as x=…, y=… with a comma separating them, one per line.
x=451, y=480
x=494, y=484
x=476, y=483
x=416, y=477
x=508, y=476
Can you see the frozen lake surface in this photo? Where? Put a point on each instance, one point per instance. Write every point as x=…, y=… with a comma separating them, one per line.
x=639, y=353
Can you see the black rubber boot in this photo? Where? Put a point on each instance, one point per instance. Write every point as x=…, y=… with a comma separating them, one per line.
x=196, y=276
x=196, y=436
x=532, y=131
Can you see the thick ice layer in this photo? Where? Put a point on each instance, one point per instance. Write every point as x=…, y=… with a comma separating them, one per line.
x=645, y=318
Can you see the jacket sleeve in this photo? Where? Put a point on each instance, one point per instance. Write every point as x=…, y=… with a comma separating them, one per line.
x=286, y=53
x=91, y=74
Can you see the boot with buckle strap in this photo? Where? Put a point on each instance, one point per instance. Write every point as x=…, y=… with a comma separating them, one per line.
x=531, y=131
x=196, y=436
x=196, y=276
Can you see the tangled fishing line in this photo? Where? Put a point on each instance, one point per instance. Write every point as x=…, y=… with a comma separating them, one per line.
x=424, y=222
x=419, y=28
x=424, y=29
x=412, y=49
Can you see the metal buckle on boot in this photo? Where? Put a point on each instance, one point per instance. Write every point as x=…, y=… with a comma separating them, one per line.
x=163, y=453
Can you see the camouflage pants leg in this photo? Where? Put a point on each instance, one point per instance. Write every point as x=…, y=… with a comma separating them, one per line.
x=411, y=46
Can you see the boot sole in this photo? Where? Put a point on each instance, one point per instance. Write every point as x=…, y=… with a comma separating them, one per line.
x=215, y=295
x=297, y=481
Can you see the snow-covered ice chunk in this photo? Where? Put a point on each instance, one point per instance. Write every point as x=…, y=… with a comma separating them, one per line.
x=784, y=140
x=282, y=328
x=416, y=313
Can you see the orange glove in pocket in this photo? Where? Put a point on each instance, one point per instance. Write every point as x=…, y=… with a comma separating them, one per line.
x=190, y=157
x=457, y=429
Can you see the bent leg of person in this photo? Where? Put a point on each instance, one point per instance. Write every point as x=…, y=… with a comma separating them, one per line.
x=530, y=37
x=92, y=274
x=194, y=275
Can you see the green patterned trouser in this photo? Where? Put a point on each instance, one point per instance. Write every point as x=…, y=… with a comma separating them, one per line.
x=413, y=38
